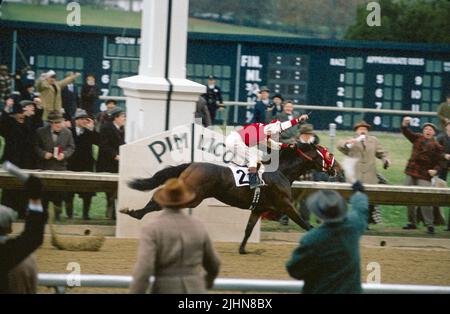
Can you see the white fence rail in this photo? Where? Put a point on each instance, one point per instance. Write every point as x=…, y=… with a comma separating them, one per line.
x=60, y=282
x=237, y=104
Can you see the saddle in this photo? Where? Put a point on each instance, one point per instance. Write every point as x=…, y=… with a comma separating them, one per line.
x=240, y=174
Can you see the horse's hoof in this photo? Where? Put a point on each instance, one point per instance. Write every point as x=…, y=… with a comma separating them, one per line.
x=125, y=210
x=137, y=214
x=242, y=250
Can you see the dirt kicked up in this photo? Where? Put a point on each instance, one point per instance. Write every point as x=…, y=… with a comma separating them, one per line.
x=265, y=261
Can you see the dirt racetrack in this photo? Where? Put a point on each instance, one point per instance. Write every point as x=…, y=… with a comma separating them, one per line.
x=265, y=261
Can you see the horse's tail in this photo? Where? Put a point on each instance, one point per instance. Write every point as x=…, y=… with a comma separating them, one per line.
x=158, y=179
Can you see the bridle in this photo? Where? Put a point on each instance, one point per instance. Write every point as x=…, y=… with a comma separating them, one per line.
x=325, y=166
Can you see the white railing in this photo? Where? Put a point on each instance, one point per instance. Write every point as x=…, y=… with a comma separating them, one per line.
x=62, y=281
x=237, y=104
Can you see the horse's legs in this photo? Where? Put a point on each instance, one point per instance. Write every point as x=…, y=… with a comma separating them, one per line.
x=151, y=206
x=289, y=210
x=253, y=219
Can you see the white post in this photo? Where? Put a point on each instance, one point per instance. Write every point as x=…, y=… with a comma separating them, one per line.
x=160, y=97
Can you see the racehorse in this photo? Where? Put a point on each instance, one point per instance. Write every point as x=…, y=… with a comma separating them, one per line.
x=210, y=180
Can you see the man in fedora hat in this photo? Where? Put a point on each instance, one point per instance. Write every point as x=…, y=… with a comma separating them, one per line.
x=112, y=136
x=328, y=258
x=262, y=107
x=174, y=246
x=275, y=107
x=84, y=135
x=367, y=149
x=425, y=162
x=18, y=127
x=54, y=145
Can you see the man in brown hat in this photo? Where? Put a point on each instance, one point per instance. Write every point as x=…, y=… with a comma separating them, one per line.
x=174, y=246
x=366, y=148
x=425, y=162
x=53, y=145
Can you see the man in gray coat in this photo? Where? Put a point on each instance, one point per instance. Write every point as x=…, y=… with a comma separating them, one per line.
x=53, y=145
x=366, y=149
x=173, y=247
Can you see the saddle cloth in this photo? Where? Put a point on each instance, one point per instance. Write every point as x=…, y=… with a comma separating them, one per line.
x=240, y=174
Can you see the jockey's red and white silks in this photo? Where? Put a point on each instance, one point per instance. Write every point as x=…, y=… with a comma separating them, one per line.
x=255, y=133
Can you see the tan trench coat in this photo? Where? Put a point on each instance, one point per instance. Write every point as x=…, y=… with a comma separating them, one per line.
x=174, y=247
x=51, y=98
x=366, y=168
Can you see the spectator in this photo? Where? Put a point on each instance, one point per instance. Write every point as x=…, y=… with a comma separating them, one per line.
x=18, y=273
x=82, y=159
x=366, y=149
x=54, y=145
x=105, y=116
x=275, y=108
x=69, y=95
x=443, y=112
x=27, y=92
x=289, y=136
x=262, y=106
x=328, y=258
x=22, y=279
x=17, y=126
x=425, y=162
x=202, y=112
x=173, y=247
x=50, y=91
x=112, y=136
x=213, y=97
x=444, y=140
x=89, y=95
x=5, y=82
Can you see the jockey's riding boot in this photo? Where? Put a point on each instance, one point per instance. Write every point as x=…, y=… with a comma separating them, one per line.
x=253, y=178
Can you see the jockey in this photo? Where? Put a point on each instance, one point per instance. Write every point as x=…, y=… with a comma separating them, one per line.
x=244, y=143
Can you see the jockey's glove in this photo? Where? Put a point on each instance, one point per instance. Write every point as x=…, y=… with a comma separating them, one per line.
x=358, y=186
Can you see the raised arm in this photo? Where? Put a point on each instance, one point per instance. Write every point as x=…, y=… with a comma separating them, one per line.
x=15, y=250
x=360, y=207
x=410, y=135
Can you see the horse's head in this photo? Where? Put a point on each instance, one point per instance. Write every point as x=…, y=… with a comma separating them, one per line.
x=314, y=157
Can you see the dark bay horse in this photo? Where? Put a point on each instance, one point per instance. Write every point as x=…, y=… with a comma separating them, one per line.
x=210, y=180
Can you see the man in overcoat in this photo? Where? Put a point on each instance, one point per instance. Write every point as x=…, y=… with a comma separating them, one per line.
x=174, y=246
x=367, y=149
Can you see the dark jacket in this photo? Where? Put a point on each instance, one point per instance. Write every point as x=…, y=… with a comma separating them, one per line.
x=82, y=158
x=288, y=136
x=69, y=101
x=202, y=112
x=44, y=144
x=15, y=250
x=110, y=140
x=426, y=155
x=89, y=96
x=328, y=258
x=259, y=112
x=18, y=140
x=213, y=98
